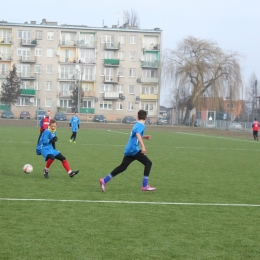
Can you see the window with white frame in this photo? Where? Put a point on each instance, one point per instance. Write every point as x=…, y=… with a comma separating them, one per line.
x=120, y=72
x=86, y=40
x=150, y=42
x=48, y=102
x=49, y=69
x=119, y=88
x=133, y=39
x=25, y=36
x=105, y=105
x=23, y=70
x=121, y=39
x=132, y=73
x=86, y=56
x=119, y=106
x=36, y=102
x=121, y=55
x=148, y=106
x=25, y=85
x=148, y=90
x=37, y=69
x=4, y=69
x=67, y=55
x=107, y=55
x=109, y=40
x=38, y=52
x=88, y=73
x=49, y=53
x=132, y=56
x=65, y=103
x=149, y=73
x=38, y=35
x=150, y=57
x=108, y=73
x=130, y=106
x=87, y=87
x=67, y=72
x=131, y=89
x=23, y=101
x=88, y=103
x=5, y=35
x=106, y=88
x=65, y=89
x=48, y=86
x=50, y=36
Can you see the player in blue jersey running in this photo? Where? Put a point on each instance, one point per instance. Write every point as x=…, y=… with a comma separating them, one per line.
x=132, y=152
x=74, y=125
x=49, y=153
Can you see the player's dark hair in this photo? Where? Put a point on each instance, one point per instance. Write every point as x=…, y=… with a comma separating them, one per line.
x=142, y=114
x=52, y=121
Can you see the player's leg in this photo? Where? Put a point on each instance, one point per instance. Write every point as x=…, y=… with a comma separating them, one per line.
x=142, y=158
x=122, y=167
x=49, y=160
x=65, y=164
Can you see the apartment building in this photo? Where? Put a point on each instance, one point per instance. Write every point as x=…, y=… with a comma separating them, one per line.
x=118, y=68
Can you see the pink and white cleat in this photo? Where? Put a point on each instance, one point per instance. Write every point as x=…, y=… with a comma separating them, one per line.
x=102, y=184
x=148, y=188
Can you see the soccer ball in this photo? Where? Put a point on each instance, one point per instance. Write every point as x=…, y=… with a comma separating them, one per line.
x=27, y=168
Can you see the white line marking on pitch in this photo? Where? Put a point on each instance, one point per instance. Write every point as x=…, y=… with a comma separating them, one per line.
x=136, y=202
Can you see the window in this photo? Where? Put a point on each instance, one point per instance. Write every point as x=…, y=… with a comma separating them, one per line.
x=88, y=73
x=38, y=35
x=24, y=70
x=50, y=36
x=119, y=88
x=132, y=39
x=48, y=102
x=130, y=106
x=87, y=103
x=67, y=55
x=121, y=55
x=49, y=69
x=23, y=101
x=87, y=87
x=37, y=69
x=119, y=106
x=231, y=106
x=4, y=69
x=86, y=56
x=121, y=39
x=5, y=35
x=87, y=40
x=108, y=73
x=65, y=103
x=49, y=53
x=25, y=36
x=25, y=85
x=38, y=52
x=106, y=88
x=132, y=73
x=36, y=102
x=67, y=72
x=105, y=105
x=131, y=89
x=65, y=89
x=148, y=107
x=149, y=73
x=120, y=72
x=48, y=86
x=132, y=56
x=148, y=90
x=109, y=40
x=107, y=55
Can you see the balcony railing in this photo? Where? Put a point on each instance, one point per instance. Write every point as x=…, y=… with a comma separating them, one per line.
x=28, y=92
x=28, y=42
x=4, y=73
x=68, y=42
x=112, y=46
x=111, y=80
x=150, y=64
x=89, y=93
x=28, y=59
x=8, y=40
x=111, y=62
x=151, y=47
x=4, y=56
x=148, y=80
x=26, y=76
x=83, y=44
x=111, y=95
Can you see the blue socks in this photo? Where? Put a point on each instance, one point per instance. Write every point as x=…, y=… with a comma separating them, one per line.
x=108, y=178
x=145, y=181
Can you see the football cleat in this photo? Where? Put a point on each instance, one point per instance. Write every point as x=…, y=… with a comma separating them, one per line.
x=102, y=184
x=46, y=174
x=73, y=173
x=148, y=188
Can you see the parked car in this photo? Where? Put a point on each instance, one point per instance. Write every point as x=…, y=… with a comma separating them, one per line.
x=100, y=118
x=236, y=126
x=148, y=120
x=161, y=121
x=59, y=116
x=129, y=120
x=197, y=122
x=25, y=115
x=7, y=114
x=39, y=114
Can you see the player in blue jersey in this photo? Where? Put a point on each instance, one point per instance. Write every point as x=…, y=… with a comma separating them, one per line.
x=132, y=152
x=74, y=125
x=49, y=153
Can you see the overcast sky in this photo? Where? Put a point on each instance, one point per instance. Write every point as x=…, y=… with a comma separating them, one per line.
x=233, y=24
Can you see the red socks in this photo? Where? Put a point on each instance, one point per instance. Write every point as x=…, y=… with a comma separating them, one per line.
x=66, y=165
x=48, y=163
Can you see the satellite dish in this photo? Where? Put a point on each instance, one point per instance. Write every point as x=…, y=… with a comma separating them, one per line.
x=96, y=99
x=137, y=98
x=58, y=53
x=31, y=100
x=142, y=58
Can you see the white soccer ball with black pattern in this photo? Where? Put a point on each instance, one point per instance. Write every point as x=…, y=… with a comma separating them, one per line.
x=27, y=168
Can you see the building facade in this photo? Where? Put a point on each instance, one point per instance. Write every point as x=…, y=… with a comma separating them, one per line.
x=118, y=68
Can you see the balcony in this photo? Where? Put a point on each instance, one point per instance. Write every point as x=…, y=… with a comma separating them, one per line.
x=87, y=110
x=110, y=95
x=87, y=45
x=112, y=46
x=111, y=80
x=4, y=73
x=148, y=80
x=150, y=64
x=28, y=92
x=28, y=59
x=151, y=47
x=71, y=43
x=88, y=93
x=6, y=40
x=111, y=62
x=28, y=42
x=152, y=97
x=26, y=76
x=5, y=57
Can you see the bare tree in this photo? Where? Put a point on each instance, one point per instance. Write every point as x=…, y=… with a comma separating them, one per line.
x=205, y=69
x=251, y=97
x=132, y=18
